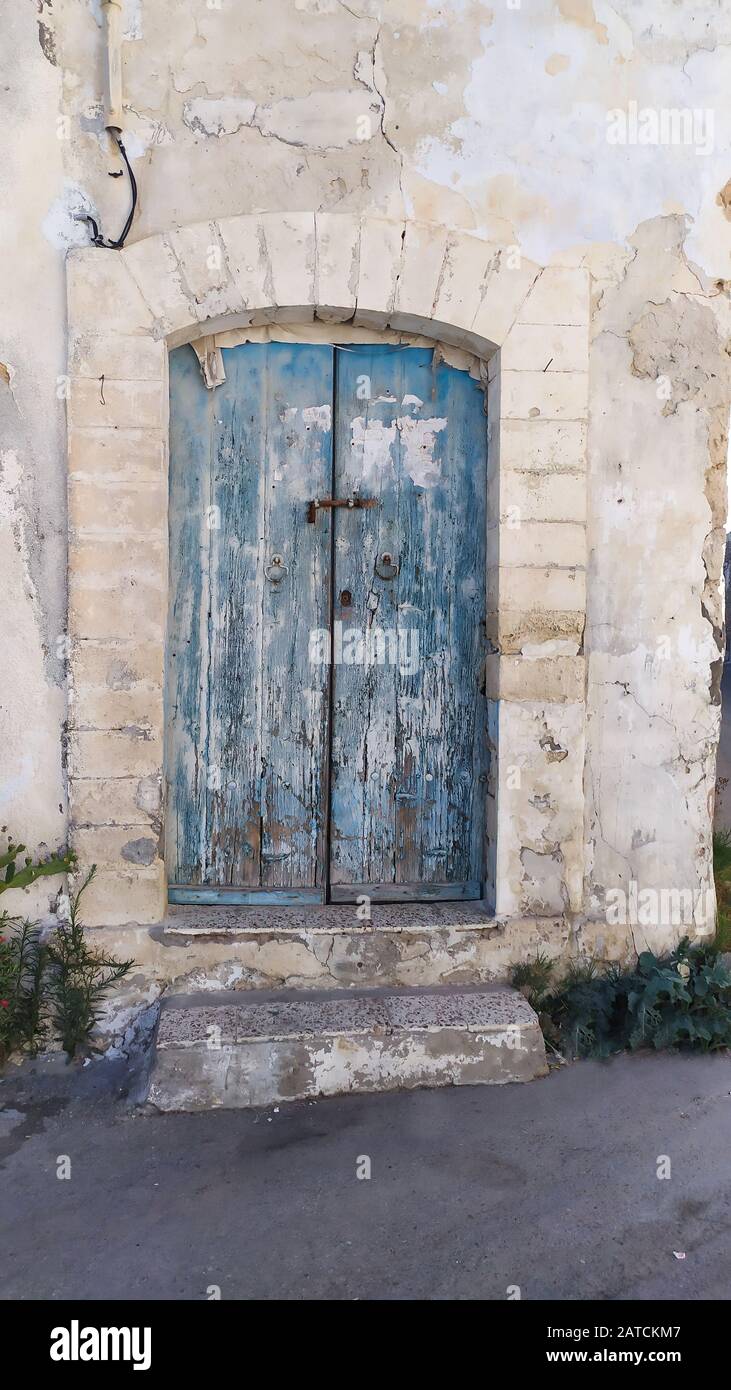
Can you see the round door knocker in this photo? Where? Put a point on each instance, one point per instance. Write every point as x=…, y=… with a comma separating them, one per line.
x=386, y=567
x=276, y=569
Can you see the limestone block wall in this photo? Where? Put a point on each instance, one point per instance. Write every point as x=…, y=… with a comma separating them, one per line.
x=375, y=273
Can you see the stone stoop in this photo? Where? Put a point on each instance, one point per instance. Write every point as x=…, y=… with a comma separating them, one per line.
x=248, y=1048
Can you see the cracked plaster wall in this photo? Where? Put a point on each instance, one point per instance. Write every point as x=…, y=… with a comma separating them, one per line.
x=486, y=117
x=32, y=444
x=657, y=510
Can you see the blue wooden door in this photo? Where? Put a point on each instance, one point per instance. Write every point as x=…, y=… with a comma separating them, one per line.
x=326, y=731
x=409, y=737
x=247, y=718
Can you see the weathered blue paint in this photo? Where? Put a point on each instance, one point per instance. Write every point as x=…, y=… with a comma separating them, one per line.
x=247, y=711
x=493, y=743
x=251, y=739
x=409, y=746
x=240, y=897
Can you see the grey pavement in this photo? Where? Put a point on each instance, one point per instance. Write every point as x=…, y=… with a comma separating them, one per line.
x=550, y=1185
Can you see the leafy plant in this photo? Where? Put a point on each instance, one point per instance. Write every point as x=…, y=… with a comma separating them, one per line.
x=23, y=959
x=13, y=877
x=722, y=874
x=79, y=977
x=533, y=978
x=722, y=853
x=679, y=999
x=582, y=1012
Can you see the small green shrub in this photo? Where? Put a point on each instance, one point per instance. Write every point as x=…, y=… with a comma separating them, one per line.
x=722, y=853
x=54, y=984
x=13, y=877
x=534, y=978
x=722, y=875
x=79, y=976
x=22, y=967
x=680, y=999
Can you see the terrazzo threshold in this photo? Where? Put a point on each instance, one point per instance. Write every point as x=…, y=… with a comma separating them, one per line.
x=329, y=919
x=236, y=1049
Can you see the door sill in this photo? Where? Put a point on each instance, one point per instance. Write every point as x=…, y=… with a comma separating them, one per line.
x=333, y=919
x=406, y=892
x=201, y=895
x=243, y=897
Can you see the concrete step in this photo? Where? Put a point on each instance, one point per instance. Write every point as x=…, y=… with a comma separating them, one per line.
x=245, y=1048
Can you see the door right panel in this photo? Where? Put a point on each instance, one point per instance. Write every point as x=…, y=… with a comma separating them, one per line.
x=409, y=739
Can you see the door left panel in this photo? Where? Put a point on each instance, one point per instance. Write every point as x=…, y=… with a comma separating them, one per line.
x=247, y=708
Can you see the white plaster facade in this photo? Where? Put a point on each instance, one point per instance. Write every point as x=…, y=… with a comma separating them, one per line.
x=447, y=169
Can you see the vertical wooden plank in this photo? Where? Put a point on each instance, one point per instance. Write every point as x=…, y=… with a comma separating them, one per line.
x=363, y=765
x=409, y=730
x=186, y=699
x=451, y=594
x=233, y=748
x=295, y=668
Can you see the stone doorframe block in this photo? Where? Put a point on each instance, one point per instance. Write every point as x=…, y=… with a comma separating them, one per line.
x=126, y=310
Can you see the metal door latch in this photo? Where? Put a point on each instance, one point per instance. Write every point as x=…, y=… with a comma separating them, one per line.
x=353, y=502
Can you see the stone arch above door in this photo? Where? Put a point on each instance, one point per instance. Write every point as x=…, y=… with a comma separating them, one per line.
x=529, y=325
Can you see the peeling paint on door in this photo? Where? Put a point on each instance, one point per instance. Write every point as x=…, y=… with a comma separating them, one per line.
x=338, y=651
x=247, y=713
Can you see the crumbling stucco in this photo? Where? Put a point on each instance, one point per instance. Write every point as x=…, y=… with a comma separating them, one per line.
x=657, y=507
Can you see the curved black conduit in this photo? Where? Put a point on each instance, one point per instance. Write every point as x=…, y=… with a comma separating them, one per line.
x=96, y=235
